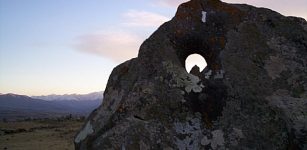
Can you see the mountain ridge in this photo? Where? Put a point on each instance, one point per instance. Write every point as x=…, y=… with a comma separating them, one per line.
x=77, y=97
x=14, y=107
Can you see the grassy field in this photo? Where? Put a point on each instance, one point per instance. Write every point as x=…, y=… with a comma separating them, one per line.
x=39, y=135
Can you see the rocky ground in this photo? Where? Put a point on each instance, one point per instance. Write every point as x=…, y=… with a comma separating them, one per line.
x=38, y=135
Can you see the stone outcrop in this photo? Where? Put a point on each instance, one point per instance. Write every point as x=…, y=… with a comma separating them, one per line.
x=252, y=94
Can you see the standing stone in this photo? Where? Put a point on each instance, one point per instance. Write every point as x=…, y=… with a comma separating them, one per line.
x=252, y=94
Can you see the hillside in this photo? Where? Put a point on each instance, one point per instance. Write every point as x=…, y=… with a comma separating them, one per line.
x=13, y=106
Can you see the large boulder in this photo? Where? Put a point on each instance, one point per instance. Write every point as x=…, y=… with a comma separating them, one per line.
x=252, y=94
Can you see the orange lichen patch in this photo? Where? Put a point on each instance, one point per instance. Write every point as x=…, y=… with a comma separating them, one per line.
x=223, y=7
x=220, y=6
x=222, y=42
x=212, y=40
x=215, y=66
x=192, y=6
x=208, y=55
x=124, y=70
x=178, y=33
x=207, y=121
x=121, y=109
x=189, y=9
x=219, y=41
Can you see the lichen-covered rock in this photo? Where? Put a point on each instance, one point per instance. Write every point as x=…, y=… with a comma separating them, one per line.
x=252, y=94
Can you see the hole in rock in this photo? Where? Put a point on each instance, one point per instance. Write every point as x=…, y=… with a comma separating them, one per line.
x=195, y=59
x=210, y=101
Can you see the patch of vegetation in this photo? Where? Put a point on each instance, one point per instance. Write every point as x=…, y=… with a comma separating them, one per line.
x=38, y=134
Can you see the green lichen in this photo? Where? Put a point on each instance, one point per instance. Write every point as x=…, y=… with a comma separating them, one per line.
x=297, y=92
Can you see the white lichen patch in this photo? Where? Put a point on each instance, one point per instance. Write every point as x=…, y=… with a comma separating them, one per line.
x=87, y=130
x=180, y=78
x=219, y=74
x=217, y=140
x=208, y=74
x=238, y=132
x=192, y=85
x=143, y=146
x=293, y=108
x=235, y=136
x=278, y=44
x=192, y=132
x=205, y=141
x=204, y=16
x=274, y=66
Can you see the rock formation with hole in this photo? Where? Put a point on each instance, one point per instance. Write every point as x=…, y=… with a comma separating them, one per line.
x=252, y=94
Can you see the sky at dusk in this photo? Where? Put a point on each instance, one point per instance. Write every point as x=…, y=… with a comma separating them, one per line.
x=71, y=46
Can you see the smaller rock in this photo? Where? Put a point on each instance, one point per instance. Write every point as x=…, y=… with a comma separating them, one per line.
x=195, y=71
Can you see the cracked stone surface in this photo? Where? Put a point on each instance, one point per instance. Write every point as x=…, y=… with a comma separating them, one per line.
x=252, y=94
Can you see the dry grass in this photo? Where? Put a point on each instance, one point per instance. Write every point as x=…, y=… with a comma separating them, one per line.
x=38, y=135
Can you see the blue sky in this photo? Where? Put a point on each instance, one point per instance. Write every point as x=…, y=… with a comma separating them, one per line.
x=71, y=46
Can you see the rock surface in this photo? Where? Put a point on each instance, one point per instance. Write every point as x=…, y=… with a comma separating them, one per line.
x=252, y=94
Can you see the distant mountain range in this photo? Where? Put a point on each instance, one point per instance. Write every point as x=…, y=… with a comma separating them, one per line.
x=75, y=97
x=13, y=106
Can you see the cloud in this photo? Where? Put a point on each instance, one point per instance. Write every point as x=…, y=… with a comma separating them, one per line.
x=118, y=46
x=143, y=19
x=169, y=3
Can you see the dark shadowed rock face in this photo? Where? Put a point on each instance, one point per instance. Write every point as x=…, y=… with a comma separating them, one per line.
x=252, y=94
